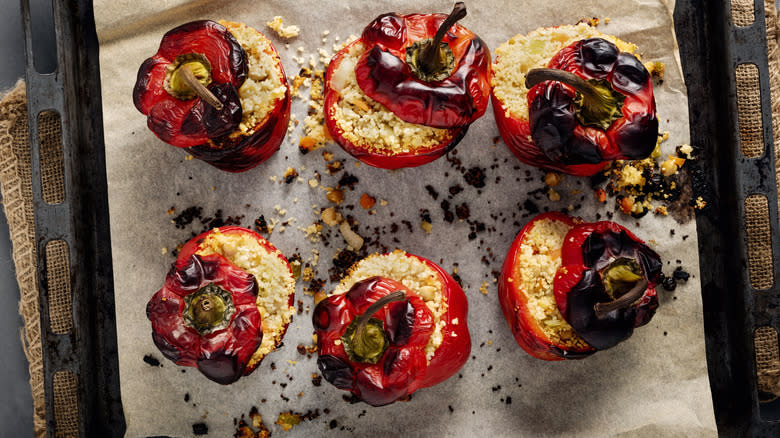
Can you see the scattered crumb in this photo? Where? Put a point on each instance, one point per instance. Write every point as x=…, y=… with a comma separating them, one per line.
x=277, y=25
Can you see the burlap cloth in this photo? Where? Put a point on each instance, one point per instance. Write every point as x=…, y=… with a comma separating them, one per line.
x=16, y=186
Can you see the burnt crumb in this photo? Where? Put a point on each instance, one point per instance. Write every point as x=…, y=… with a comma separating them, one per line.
x=457, y=279
x=680, y=275
x=273, y=365
x=475, y=177
x=431, y=191
x=220, y=221
x=301, y=349
x=462, y=211
x=290, y=175
x=316, y=380
x=333, y=424
x=200, y=429
x=187, y=216
x=530, y=206
x=508, y=400
x=348, y=180
x=425, y=215
x=261, y=226
x=152, y=361
x=187, y=397
x=343, y=261
x=669, y=283
x=450, y=408
x=454, y=190
x=448, y=215
x=408, y=225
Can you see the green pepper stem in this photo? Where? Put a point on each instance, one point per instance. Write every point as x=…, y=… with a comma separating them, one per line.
x=372, y=309
x=625, y=300
x=600, y=105
x=431, y=55
x=204, y=93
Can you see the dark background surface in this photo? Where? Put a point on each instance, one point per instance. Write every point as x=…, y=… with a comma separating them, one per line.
x=16, y=398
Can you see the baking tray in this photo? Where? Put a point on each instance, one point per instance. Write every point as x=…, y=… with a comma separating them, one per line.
x=711, y=47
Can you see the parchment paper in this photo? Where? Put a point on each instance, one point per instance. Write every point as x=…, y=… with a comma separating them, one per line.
x=653, y=384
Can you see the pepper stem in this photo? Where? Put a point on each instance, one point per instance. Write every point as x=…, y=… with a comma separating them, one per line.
x=431, y=56
x=208, y=309
x=365, y=340
x=602, y=309
x=189, y=78
x=430, y=59
x=598, y=103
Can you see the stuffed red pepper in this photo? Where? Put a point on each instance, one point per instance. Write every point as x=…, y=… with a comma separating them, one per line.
x=219, y=91
x=572, y=99
x=225, y=305
x=569, y=288
x=405, y=92
x=396, y=323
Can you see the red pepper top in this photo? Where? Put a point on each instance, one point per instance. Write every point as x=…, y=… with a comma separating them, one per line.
x=605, y=286
x=386, y=360
x=449, y=91
x=205, y=316
x=593, y=104
x=175, y=112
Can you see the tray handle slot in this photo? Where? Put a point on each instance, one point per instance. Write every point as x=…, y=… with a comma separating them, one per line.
x=52, y=177
x=66, y=390
x=58, y=281
x=742, y=16
x=751, y=134
x=767, y=362
x=759, y=242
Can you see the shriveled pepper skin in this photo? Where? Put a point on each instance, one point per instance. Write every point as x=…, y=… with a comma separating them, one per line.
x=223, y=354
x=555, y=137
x=364, y=152
x=181, y=122
x=194, y=245
x=514, y=301
x=587, y=253
x=384, y=74
x=403, y=367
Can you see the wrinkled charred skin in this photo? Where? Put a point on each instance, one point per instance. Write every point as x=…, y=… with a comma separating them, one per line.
x=588, y=250
x=408, y=325
x=384, y=75
x=632, y=137
x=223, y=354
x=172, y=119
x=552, y=137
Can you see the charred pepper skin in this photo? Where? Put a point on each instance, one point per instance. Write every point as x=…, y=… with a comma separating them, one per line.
x=179, y=122
x=194, y=245
x=560, y=136
x=384, y=74
x=514, y=302
x=366, y=154
x=402, y=368
x=219, y=351
x=582, y=284
x=209, y=134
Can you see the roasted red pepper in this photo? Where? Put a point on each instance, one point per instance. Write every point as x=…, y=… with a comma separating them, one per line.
x=372, y=340
x=587, y=295
x=189, y=91
x=425, y=68
x=606, y=283
x=594, y=104
x=205, y=316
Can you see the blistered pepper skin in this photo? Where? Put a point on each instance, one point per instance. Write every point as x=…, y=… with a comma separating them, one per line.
x=208, y=134
x=223, y=354
x=403, y=367
x=384, y=74
x=587, y=251
x=365, y=153
x=194, y=245
x=554, y=137
x=514, y=301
